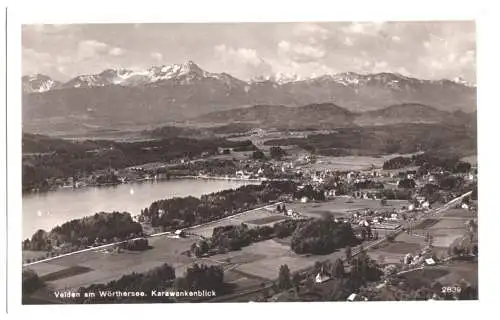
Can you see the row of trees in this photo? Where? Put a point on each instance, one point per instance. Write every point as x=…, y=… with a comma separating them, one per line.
x=311, y=193
x=429, y=161
x=183, y=212
x=228, y=238
x=197, y=277
x=275, y=153
x=100, y=228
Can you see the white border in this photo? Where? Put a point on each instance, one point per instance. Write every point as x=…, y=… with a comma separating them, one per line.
x=253, y=10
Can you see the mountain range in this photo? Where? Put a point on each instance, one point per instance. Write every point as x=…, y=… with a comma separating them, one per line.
x=186, y=91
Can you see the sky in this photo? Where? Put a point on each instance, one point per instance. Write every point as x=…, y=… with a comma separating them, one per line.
x=425, y=50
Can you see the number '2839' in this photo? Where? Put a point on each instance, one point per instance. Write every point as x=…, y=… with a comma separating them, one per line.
x=451, y=289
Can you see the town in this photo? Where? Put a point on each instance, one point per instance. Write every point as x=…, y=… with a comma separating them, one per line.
x=393, y=212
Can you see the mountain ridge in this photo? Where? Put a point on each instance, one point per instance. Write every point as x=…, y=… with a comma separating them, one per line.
x=331, y=115
x=184, y=91
x=163, y=72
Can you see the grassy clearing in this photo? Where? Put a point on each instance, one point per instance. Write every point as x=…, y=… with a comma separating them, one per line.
x=111, y=266
x=266, y=220
x=427, y=223
x=29, y=254
x=426, y=275
x=65, y=273
x=470, y=159
x=341, y=207
x=459, y=213
x=446, y=231
x=347, y=163
x=248, y=217
x=401, y=248
x=459, y=270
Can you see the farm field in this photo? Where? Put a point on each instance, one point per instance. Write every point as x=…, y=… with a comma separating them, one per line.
x=393, y=252
x=347, y=163
x=450, y=227
x=262, y=260
x=470, y=159
x=341, y=206
x=448, y=274
x=251, y=217
x=238, y=155
x=267, y=220
x=106, y=266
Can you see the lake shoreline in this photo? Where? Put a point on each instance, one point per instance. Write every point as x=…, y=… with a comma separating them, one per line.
x=142, y=181
x=49, y=209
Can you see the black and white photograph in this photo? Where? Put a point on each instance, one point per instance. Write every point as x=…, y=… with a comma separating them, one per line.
x=234, y=162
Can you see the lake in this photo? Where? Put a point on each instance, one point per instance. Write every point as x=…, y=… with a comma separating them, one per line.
x=47, y=210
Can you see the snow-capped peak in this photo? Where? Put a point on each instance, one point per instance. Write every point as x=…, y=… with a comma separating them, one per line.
x=184, y=71
x=279, y=78
x=461, y=80
x=38, y=83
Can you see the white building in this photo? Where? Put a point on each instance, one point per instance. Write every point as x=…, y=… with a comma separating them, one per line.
x=322, y=276
x=356, y=297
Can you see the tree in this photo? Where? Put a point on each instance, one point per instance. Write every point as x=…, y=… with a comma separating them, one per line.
x=406, y=184
x=284, y=280
x=258, y=155
x=383, y=202
x=30, y=281
x=277, y=153
x=338, y=268
x=317, y=266
x=321, y=236
x=204, y=277
x=26, y=244
x=296, y=280
x=348, y=253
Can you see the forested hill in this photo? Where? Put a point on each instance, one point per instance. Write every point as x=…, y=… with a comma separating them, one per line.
x=399, y=138
x=55, y=158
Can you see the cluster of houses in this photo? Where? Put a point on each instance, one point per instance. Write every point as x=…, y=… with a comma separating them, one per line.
x=288, y=212
x=420, y=203
x=378, y=218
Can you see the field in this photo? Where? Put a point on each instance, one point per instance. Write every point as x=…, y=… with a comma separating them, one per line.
x=256, y=217
x=341, y=206
x=266, y=220
x=450, y=227
x=263, y=259
x=65, y=273
x=447, y=275
x=29, y=254
x=105, y=266
x=470, y=159
x=238, y=155
x=347, y=163
x=393, y=252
